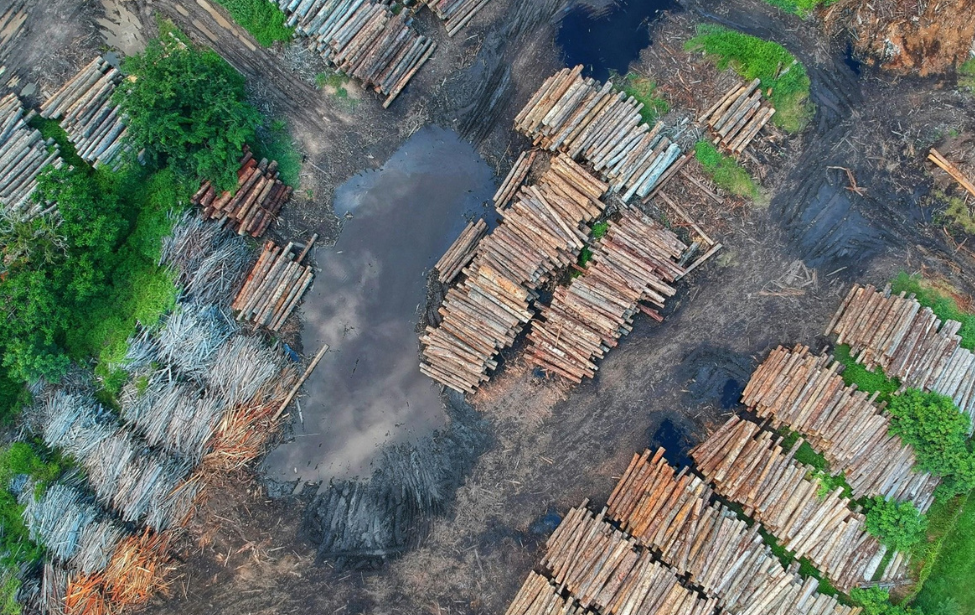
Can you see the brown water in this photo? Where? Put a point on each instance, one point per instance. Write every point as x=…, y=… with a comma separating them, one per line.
x=365, y=303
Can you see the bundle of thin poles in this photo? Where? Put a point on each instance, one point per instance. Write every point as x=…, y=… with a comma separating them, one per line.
x=24, y=153
x=455, y=14
x=209, y=261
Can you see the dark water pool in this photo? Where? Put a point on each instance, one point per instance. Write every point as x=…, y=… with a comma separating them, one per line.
x=608, y=38
x=855, y=65
x=731, y=393
x=368, y=292
x=675, y=441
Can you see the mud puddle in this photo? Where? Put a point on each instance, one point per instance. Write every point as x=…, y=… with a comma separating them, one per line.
x=368, y=392
x=606, y=36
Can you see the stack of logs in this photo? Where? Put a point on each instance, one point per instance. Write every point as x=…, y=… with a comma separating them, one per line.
x=460, y=252
x=23, y=155
x=86, y=112
x=737, y=117
x=909, y=342
x=364, y=39
x=544, y=229
x=274, y=287
x=588, y=120
x=603, y=568
x=670, y=512
x=948, y=167
x=633, y=262
x=455, y=13
x=806, y=393
x=539, y=596
x=515, y=178
x=747, y=465
x=254, y=204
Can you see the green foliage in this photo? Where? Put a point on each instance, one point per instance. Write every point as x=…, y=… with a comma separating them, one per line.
x=799, y=7
x=187, y=109
x=900, y=526
x=866, y=381
x=585, y=255
x=275, y=143
x=724, y=170
x=753, y=58
x=959, y=213
x=644, y=90
x=948, y=587
x=599, y=230
x=263, y=19
x=32, y=459
x=876, y=601
x=944, y=307
x=51, y=129
x=820, y=472
x=9, y=586
x=938, y=431
x=966, y=75
x=942, y=517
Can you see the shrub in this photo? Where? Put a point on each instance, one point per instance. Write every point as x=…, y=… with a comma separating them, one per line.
x=643, y=90
x=799, y=7
x=724, y=170
x=900, y=526
x=866, y=380
x=263, y=19
x=941, y=304
x=966, y=75
x=779, y=71
x=876, y=601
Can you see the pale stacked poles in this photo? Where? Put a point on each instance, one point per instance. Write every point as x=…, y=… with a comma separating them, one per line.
x=253, y=204
x=362, y=39
x=515, y=178
x=806, y=393
x=461, y=251
x=455, y=14
x=954, y=172
x=84, y=109
x=24, y=153
x=274, y=286
x=908, y=342
x=540, y=596
x=588, y=120
x=635, y=261
x=737, y=117
x=747, y=465
x=542, y=231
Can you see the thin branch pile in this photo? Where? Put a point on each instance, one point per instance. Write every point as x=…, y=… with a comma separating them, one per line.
x=23, y=155
x=274, y=287
x=633, y=262
x=908, y=342
x=86, y=112
x=737, y=117
x=807, y=393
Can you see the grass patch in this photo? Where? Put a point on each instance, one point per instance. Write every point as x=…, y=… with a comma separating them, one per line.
x=274, y=142
x=264, y=20
x=966, y=75
x=948, y=587
x=585, y=255
x=803, y=8
x=644, y=91
x=51, y=129
x=866, y=380
x=820, y=473
x=783, y=79
x=958, y=212
x=942, y=517
x=942, y=304
x=725, y=171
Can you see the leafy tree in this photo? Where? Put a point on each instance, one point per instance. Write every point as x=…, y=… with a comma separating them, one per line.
x=186, y=109
x=876, y=601
x=900, y=526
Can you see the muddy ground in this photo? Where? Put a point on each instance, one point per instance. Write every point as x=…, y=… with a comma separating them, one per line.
x=525, y=447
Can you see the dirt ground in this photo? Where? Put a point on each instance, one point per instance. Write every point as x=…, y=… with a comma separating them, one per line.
x=784, y=269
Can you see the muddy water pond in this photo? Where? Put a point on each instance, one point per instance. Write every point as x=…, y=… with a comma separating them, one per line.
x=369, y=291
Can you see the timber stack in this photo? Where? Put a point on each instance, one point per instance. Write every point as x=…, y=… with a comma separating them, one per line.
x=949, y=167
x=747, y=465
x=460, y=253
x=363, y=39
x=908, y=342
x=539, y=596
x=254, y=204
x=455, y=14
x=671, y=512
x=588, y=120
x=603, y=568
x=543, y=230
x=806, y=393
x=85, y=110
x=737, y=117
x=515, y=178
x=23, y=155
x=635, y=261
x=274, y=286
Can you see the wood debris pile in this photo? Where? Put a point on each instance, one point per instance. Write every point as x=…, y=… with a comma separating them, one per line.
x=23, y=155
x=274, y=286
x=254, y=204
x=635, y=261
x=461, y=251
x=210, y=262
x=86, y=112
x=669, y=511
x=590, y=121
x=455, y=13
x=363, y=39
x=806, y=393
x=908, y=342
x=737, y=117
x=747, y=465
x=543, y=230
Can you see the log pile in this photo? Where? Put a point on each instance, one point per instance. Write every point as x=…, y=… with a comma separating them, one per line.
x=460, y=253
x=254, y=204
x=274, y=287
x=455, y=14
x=737, y=117
x=669, y=511
x=908, y=342
x=23, y=155
x=363, y=39
x=603, y=568
x=590, y=121
x=539, y=596
x=746, y=465
x=806, y=393
x=544, y=229
x=633, y=262
x=515, y=178
x=86, y=112
x=948, y=167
